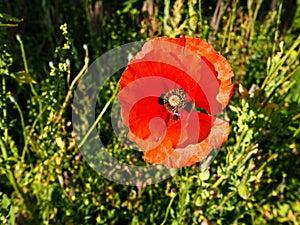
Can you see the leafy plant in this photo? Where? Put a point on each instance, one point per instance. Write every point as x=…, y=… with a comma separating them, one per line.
x=43, y=176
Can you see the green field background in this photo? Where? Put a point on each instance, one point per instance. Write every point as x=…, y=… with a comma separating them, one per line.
x=45, y=46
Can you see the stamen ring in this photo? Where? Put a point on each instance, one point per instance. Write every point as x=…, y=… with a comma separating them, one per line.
x=174, y=100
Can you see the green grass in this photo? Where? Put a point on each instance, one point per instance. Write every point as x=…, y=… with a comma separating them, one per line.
x=44, y=179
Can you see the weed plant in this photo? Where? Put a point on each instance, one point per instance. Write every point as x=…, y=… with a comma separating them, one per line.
x=46, y=46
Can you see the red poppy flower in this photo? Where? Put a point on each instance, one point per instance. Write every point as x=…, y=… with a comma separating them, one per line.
x=169, y=93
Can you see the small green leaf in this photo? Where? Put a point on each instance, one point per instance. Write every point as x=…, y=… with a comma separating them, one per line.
x=187, y=199
x=12, y=217
x=8, y=25
x=243, y=191
x=205, y=175
x=283, y=209
x=6, y=201
x=10, y=18
x=198, y=201
x=23, y=77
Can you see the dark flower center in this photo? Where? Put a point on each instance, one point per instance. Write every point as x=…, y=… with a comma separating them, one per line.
x=175, y=101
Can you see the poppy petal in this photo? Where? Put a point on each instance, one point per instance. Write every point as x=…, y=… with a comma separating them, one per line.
x=194, y=153
x=198, y=128
x=147, y=119
x=181, y=137
x=192, y=129
x=196, y=87
x=218, y=135
x=220, y=64
x=207, y=73
x=216, y=62
x=139, y=89
x=173, y=131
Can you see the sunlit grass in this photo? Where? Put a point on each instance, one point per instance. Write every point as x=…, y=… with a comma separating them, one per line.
x=44, y=179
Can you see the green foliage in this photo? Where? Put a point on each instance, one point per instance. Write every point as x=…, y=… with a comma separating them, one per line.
x=8, y=21
x=44, y=179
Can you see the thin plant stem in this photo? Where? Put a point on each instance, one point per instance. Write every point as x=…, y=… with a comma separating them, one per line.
x=240, y=139
x=23, y=129
x=241, y=160
x=284, y=79
x=273, y=72
x=277, y=27
x=232, y=21
x=4, y=108
x=230, y=195
x=9, y=174
x=168, y=209
x=200, y=17
x=166, y=13
x=27, y=71
x=26, y=66
x=70, y=91
x=99, y=116
x=253, y=19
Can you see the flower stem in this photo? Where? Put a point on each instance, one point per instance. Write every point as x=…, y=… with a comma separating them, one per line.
x=27, y=71
x=99, y=116
x=24, y=132
x=5, y=137
x=9, y=173
x=166, y=14
x=70, y=91
x=168, y=210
